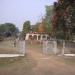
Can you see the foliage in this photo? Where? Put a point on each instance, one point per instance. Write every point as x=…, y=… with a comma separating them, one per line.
x=64, y=19
x=8, y=29
x=38, y=27
x=35, y=27
x=48, y=16
x=26, y=28
x=45, y=25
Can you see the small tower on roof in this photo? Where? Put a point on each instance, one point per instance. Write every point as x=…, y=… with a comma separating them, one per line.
x=41, y=28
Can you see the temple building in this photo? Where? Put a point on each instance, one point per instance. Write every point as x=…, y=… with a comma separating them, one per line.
x=39, y=35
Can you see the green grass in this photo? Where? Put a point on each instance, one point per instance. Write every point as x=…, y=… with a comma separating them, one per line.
x=69, y=60
x=20, y=65
x=66, y=60
x=9, y=61
x=7, y=47
x=6, y=44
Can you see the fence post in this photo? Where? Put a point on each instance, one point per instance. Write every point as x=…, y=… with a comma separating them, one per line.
x=45, y=47
x=63, y=49
x=55, y=47
x=21, y=47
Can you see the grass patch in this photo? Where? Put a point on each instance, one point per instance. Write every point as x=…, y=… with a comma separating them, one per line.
x=25, y=62
x=66, y=60
x=8, y=61
x=6, y=47
x=69, y=60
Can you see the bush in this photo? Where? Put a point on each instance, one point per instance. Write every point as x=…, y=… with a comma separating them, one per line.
x=1, y=38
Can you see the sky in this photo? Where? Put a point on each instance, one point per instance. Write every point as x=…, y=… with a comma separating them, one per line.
x=19, y=11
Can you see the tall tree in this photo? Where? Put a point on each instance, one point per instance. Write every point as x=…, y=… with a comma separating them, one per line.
x=26, y=27
x=64, y=19
x=48, y=16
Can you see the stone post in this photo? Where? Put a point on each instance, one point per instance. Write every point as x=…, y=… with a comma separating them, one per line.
x=55, y=47
x=63, y=49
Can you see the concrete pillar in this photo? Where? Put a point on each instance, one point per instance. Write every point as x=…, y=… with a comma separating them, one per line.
x=21, y=47
x=41, y=38
x=63, y=49
x=45, y=43
x=55, y=47
x=37, y=37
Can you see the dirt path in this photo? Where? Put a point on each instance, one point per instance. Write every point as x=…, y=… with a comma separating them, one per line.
x=50, y=65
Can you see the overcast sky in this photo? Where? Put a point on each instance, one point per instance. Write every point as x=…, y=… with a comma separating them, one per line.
x=18, y=11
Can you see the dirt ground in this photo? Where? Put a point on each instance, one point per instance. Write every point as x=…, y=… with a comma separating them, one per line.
x=36, y=63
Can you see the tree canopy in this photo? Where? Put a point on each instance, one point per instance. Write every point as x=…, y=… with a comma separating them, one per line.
x=47, y=20
x=8, y=29
x=64, y=19
x=26, y=28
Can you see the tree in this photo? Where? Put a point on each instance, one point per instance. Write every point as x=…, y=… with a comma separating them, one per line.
x=26, y=27
x=64, y=19
x=47, y=20
x=8, y=29
x=35, y=27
